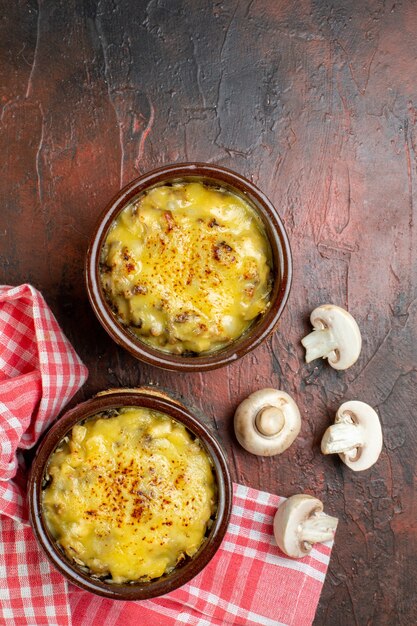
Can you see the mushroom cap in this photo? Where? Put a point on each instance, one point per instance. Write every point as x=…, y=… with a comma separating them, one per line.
x=263, y=442
x=288, y=522
x=345, y=333
x=367, y=419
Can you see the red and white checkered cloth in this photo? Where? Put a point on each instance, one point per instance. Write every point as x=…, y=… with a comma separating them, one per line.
x=248, y=582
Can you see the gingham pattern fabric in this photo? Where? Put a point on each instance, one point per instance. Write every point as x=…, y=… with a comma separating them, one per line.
x=39, y=373
x=248, y=582
x=32, y=593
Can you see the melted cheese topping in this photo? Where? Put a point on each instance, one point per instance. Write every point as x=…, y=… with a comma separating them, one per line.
x=187, y=267
x=130, y=495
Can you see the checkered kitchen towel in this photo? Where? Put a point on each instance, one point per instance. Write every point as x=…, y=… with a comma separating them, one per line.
x=248, y=582
x=39, y=373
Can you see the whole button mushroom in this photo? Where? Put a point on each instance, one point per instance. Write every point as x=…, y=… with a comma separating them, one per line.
x=356, y=435
x=336, y=337
x=267, y=422
x=299, y=523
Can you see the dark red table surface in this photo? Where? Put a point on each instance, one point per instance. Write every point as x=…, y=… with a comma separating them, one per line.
x=316, y=102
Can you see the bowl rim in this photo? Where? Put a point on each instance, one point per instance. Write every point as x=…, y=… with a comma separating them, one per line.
x=278, y=240
x=115, y=399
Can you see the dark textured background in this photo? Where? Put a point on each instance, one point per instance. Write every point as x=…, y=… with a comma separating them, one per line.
x=315, y=100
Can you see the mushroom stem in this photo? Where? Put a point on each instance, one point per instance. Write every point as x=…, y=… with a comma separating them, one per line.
x=343, y=436
x=270, y=421
x=319, y=343
x=318, y=528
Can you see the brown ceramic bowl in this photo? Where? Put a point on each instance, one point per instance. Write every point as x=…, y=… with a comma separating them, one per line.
x=114, y=399
x=281, y=256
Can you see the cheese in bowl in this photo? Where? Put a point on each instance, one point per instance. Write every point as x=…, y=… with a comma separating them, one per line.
x=187, y=267
x=129, y=494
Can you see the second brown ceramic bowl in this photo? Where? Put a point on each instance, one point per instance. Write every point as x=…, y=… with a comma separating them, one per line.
x=115, y=399
x=281, y=257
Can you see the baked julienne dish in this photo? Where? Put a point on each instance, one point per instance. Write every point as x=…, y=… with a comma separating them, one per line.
x=187, y=267
x=129, y=494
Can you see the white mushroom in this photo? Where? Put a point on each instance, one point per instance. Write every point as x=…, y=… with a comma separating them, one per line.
x=356, y=435
x=299, y=523
x=267, y=422
x=336, y=337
